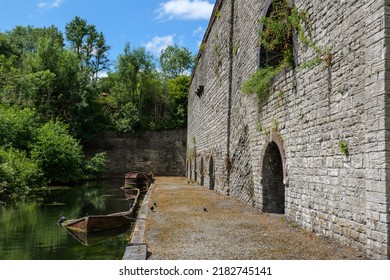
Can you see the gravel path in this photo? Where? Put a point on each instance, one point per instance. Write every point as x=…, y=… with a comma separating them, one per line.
x=179, y=227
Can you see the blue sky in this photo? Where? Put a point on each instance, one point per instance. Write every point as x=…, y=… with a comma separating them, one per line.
x=153, y=24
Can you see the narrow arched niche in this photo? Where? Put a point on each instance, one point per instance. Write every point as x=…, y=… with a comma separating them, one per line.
x=273, y=174
x=211, y=174
x=201, y=172
x=272, y=181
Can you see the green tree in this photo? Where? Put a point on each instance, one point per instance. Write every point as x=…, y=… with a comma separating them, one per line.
x=178, y=91
x=76, y=32
x=176, y=61
x=24, y=40
x=129, y=88
x=89, y=45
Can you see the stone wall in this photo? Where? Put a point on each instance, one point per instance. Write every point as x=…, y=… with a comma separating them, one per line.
x=307, y=114
x=162, y=152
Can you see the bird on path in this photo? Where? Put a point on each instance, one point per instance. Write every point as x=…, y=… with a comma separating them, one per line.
x=152, y=208
x=205, y=209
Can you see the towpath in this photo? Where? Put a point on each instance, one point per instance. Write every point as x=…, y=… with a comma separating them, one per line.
x=190, y=222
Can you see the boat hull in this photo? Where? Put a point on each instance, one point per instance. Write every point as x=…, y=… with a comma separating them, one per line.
x=91, y=238
x=136, y=178
x=98, y=223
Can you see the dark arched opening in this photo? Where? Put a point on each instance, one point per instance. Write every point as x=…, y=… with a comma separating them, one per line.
x=201, y=172
x=211, y=174
x=195, y=171
x=190, y=171
x=272, y=180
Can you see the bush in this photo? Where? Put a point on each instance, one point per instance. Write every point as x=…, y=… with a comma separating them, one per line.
x=127, y=120
x=18, y=174
x=17, y=127
x=58, y=154
x=94, y=167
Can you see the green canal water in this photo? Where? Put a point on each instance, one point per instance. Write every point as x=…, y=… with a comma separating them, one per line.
x=29, y=230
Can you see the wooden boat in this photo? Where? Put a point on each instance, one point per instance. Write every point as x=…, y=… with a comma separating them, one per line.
x=96, y=223
x=136, y=178
x=90, y=238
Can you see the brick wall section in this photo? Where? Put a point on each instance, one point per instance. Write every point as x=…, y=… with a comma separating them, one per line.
x=162, y=152
x=345, y=197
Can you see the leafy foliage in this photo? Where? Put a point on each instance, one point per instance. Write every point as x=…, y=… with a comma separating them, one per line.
x=261, y=81
x=279, y=25
x=17, y=127
x=343, y=146
x=139, y=97
x=176, y=61
x=89, y=45
x=94, y=167
x=18, y=174
x=58, y=154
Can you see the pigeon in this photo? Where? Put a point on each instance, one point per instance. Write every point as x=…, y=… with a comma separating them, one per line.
x=152, y=208
x=205, y=209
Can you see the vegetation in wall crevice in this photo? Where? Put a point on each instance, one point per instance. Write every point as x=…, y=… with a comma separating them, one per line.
x=276, y=37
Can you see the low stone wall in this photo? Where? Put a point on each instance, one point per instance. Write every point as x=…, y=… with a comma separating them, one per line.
x=162, y=152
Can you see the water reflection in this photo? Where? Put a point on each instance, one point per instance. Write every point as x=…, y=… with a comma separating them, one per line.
x=29, y=230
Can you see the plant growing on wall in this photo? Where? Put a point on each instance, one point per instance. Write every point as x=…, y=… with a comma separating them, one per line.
x=276, y=40
x=343, y=147
x=235, y=49
x=218, y=14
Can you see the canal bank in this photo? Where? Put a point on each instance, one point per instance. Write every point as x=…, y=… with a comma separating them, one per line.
x=189, y=222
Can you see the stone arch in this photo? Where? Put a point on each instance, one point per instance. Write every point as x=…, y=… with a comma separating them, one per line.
x=201, y=172
x=190, y=170
x=195, y=171
x=211, y=173
x=273, y=175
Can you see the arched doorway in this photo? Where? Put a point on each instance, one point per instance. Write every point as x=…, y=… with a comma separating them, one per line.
x=272, y=180
x=190, y=171
x=211, y=174
x=201, y=172
x=195, y=171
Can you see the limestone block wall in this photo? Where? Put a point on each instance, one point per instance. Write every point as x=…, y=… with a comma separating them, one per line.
x=306, y=116
x=208, y=114
x=162, y=152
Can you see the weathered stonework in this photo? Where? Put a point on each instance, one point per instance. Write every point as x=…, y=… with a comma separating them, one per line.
x=308, y=112
x=162, y=152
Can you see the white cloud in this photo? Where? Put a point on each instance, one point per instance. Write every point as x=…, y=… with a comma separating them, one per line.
x=157, y=44
x=185, y=9
x=50, y=5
